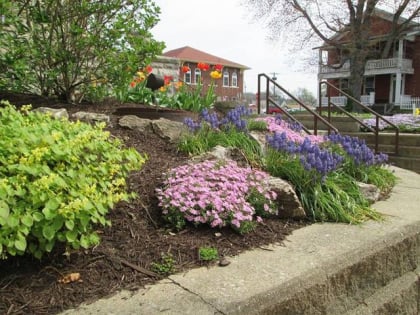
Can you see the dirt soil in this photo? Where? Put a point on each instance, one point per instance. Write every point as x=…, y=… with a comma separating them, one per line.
x=138, y=237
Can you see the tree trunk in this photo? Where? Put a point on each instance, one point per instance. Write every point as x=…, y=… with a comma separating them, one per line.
x=357, y=70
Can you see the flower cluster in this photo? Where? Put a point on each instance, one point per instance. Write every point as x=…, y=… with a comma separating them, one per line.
x=408, y=121
x=310, y=154
x=357, y=150
x=293, y=130
x=214, y=192
x=141, y=76
x=235, y=118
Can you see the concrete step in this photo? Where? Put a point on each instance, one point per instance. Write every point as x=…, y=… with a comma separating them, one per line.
x=403, y=150
x=405, y=139
x=408, y=163
x=400, y=297
x=408, y=150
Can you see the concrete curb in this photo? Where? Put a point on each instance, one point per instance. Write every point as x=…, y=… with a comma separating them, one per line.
x=322, y=269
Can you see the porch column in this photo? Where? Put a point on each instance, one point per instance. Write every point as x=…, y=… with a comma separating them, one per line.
x=319, y=76
x=398, y=78
x=398, y=88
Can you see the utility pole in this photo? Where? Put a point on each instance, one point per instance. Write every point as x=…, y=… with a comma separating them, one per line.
x=274, y=78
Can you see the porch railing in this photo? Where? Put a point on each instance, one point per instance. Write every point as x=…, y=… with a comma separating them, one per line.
x=367, y=100
x=405, y=65
x=338, y=100
x=409, y=102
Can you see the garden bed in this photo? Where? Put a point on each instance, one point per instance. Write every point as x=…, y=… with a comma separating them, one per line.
x=137, y=239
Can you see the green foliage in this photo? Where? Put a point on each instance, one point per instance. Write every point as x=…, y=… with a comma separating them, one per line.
x=257, y=125
x=208, y=253
x=58, y=180
x=336, y=198
x=73, y=48
x=207, y=138
x=166, y=266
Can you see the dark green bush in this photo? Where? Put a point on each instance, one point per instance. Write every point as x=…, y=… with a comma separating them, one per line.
x=58, y=180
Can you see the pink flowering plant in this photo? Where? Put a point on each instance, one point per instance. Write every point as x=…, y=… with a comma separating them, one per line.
x=218, y=193
x=293, y=130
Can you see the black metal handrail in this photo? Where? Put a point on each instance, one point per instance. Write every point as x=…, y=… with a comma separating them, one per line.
x=270, y=100
x=378, y=117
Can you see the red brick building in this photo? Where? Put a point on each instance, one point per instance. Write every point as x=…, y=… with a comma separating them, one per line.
x=228, y=88
x=393, y=80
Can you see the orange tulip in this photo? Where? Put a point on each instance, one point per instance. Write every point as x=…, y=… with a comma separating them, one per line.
x=203, y=66
x=148, y=69
x=218, y=67
x=185, y=69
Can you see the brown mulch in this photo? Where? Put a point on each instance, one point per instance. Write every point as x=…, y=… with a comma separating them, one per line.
x=138, y=237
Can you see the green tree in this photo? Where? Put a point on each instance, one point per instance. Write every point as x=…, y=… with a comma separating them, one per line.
x=306, y=96
x=64, y=48
x=331, y=21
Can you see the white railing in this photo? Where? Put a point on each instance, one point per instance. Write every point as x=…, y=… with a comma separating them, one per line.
x=390, y=63
x=368, y=100
x=406, y=65
x=335, y=68
x=409, y=102
x=337, y=100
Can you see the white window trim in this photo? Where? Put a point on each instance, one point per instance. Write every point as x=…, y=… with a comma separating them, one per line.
x=234, y=79
x=226, y=75
x=185, y=77
x=197, y=73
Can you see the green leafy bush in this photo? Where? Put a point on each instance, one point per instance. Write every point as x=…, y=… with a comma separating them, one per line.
x=208, y=253
x=166, y=266
x=58, y=179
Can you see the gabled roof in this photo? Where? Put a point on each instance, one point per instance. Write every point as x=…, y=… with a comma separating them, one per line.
x=194, y=55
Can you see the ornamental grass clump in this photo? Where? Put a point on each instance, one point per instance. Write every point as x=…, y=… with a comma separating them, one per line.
x=58, y=180
x=361, y=163
x=231, y=131
x=217, y=193
x=316, y=169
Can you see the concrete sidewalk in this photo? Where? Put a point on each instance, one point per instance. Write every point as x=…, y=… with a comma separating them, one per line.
x=327, y=268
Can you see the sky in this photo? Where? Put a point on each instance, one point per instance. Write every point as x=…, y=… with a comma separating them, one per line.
x=226, y=29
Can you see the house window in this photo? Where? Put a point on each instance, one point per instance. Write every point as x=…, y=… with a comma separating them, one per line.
x=234, y=79
x=369, y=85
x=344, y=85
x=225, y=78
x=187, y=77
x=197, y=76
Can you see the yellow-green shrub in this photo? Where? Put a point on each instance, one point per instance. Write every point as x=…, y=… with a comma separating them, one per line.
x=58, y=179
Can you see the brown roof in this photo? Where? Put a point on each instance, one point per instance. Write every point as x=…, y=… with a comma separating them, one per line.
x=194, y=55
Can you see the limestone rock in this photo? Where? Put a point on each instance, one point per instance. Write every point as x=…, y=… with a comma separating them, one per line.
x=289, y=204
x=369, y=191
x=58, y=113
x=260, y=137
x=222, y=153
x=91, y=117
x=135, y=123
x=168, y=129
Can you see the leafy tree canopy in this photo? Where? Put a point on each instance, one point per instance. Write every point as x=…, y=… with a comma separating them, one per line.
x=64, y=48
